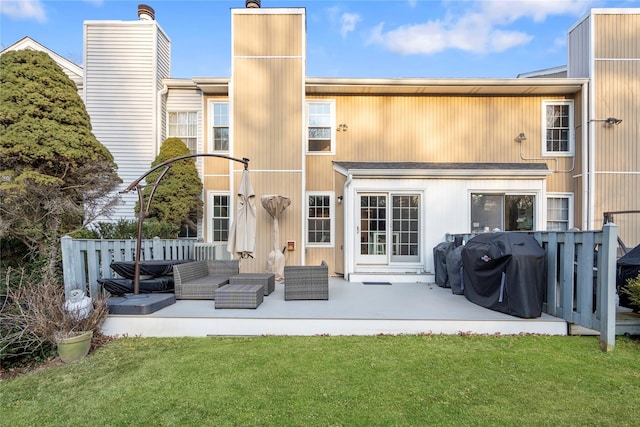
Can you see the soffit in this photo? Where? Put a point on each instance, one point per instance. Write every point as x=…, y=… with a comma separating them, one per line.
x=471, y=87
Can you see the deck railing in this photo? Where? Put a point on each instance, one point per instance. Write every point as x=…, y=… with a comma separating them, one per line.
x=84, y=261
x=581, y=279
x=581, y=269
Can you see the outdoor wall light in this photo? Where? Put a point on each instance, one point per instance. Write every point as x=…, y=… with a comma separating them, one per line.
x=609, y=121
x=520, y=137
x=342, y=127
x=291, y=245
x=340, y=199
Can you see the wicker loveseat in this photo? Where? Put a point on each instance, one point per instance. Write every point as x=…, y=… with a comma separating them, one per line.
x=200, y=279
x=308, y=282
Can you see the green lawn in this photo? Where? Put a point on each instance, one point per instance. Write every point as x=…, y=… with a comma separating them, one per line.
x=349, y=381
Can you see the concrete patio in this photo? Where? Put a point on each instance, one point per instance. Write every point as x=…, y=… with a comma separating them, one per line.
x=352, y=309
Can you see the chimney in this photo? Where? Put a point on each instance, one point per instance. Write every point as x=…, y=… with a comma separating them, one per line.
x=146, y=13
x=252, y=4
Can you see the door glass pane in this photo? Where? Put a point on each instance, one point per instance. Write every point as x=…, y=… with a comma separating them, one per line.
x=405, y=225
x=373, y=225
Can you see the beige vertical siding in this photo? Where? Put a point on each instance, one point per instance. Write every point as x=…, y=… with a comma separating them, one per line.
x=267, y=35
x=441, y=129
x=617, y=35
x=319, y=173
x=268, y=112
x=216, y=183
x=616, y=92
x=267, y=104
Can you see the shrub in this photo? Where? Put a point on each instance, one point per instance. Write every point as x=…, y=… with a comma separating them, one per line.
x=32, y=317
x=633, y=290
x=128, y=229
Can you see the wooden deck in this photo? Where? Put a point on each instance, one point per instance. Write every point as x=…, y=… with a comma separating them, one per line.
x=352, y=309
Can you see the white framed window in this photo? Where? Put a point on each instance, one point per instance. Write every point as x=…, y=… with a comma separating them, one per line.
x=321, y=130
x=219, y=126
x=184, y=125
x=505, y=212
x=320, y=214
x=219, y=217
x=557, y=128
x=559, y=211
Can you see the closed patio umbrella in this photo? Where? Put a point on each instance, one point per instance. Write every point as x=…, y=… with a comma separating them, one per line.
x=242, y=235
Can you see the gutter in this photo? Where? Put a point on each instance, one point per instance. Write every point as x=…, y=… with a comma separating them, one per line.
x=585, y=156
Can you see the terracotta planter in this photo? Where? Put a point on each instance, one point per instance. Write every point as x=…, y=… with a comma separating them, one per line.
x=76, y=347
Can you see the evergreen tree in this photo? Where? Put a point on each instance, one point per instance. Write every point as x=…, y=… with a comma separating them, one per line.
x=55, y=175
x=178, y=197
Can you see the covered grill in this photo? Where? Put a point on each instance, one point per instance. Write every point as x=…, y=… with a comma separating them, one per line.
x=505, y=272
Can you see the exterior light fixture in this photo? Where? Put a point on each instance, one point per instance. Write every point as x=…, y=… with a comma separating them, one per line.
x=520, y=137
x=609, y=121
x=342, y=127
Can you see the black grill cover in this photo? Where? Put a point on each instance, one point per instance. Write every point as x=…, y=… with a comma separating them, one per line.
x=454, y=271
x=628, y=268
x=505, y=272
x=440, y=252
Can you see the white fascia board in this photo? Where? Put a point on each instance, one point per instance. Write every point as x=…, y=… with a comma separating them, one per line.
x=442, y=173
x=268, y=11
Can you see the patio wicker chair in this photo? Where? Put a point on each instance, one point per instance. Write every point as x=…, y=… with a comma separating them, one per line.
x=308, y=282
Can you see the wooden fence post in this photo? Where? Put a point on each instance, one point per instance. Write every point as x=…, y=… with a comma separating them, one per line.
x=608, y=287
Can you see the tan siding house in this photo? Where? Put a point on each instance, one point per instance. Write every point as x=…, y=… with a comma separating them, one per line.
x=379, y=170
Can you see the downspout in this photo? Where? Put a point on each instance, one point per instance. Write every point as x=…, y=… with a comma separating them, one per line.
x=592, y=128
x=348, y=230
x=585, y=156
x=161, y=93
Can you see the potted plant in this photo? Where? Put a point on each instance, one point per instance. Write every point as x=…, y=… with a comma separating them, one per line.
x=41, y=316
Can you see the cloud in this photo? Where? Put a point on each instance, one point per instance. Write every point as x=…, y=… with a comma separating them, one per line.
x=345, y=21
x=348, y=23
x=483, y=27
x=23, y=10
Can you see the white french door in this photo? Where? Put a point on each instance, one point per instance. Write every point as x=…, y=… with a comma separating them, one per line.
x=388, y=228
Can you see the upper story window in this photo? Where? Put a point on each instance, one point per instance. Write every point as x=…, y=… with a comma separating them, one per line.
x=558, y=128
x=219, y=126
x=184, y=125
x=321, y=130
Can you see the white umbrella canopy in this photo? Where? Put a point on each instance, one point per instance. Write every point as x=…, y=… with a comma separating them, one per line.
x=242, y=235
x=275, y=205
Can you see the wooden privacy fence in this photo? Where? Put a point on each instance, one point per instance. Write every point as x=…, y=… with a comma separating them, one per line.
x=581, y=277
x=84, y=261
